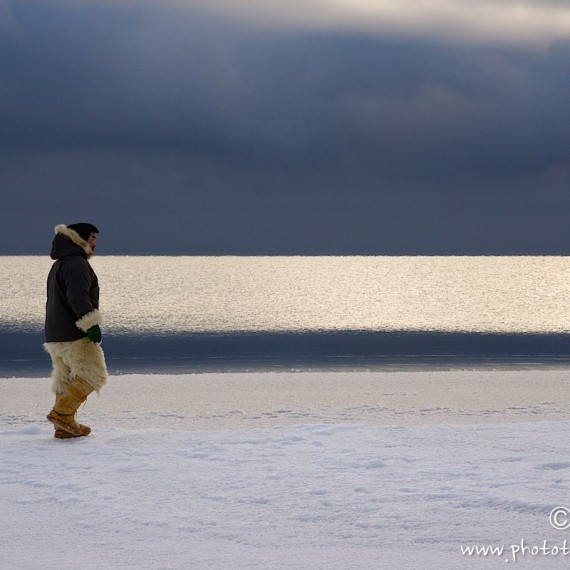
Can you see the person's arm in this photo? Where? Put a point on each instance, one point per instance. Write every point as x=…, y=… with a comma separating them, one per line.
x=78, y=281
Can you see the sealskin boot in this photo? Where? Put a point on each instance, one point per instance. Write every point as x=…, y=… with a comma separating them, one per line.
x=66, y=405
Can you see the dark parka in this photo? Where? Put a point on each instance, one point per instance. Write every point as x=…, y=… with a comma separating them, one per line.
x=72, y=289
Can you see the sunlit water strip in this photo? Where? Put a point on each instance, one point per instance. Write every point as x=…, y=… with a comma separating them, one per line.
x=166, y=295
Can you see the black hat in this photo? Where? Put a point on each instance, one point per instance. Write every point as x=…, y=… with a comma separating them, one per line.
x=84, y=229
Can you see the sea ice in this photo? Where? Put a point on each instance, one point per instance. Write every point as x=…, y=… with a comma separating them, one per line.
x=313, y=495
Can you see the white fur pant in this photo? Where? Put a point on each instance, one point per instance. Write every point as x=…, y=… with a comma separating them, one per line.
x=79, y=358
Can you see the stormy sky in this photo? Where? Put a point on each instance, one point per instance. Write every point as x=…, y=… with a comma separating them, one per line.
x=268, y=127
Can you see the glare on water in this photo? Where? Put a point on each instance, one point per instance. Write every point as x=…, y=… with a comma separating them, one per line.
x=196, y=294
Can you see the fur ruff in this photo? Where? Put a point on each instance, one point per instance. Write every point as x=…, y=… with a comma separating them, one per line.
x=89, y=320
x=79, y=358
x=75, y=238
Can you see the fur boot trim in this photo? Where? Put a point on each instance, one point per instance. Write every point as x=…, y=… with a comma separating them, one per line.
x=79, y=358
x=75, y=238
x=89, y=320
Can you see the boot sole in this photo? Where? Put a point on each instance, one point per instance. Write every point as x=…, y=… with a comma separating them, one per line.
x=60, y=434
x=66, y=435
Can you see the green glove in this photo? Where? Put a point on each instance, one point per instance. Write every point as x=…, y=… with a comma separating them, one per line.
x=94, y=334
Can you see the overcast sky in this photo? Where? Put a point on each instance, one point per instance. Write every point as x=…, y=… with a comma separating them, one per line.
x=287, y=126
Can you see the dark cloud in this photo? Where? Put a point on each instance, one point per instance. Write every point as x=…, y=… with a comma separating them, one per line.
x=179, y=132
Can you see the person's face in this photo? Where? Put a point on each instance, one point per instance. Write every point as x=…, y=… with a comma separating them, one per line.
x=91, y=241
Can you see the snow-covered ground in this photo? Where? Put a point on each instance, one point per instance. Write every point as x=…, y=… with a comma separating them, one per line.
x=357, y=470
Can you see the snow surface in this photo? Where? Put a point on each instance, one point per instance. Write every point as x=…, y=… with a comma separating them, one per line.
x=213, y=471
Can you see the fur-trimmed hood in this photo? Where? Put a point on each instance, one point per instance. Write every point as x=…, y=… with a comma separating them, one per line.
x=69, y=242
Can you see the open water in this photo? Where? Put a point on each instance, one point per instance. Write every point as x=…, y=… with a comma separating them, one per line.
x=194, y=313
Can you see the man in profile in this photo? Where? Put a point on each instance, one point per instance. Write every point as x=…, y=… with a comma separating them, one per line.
x=72, y=327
